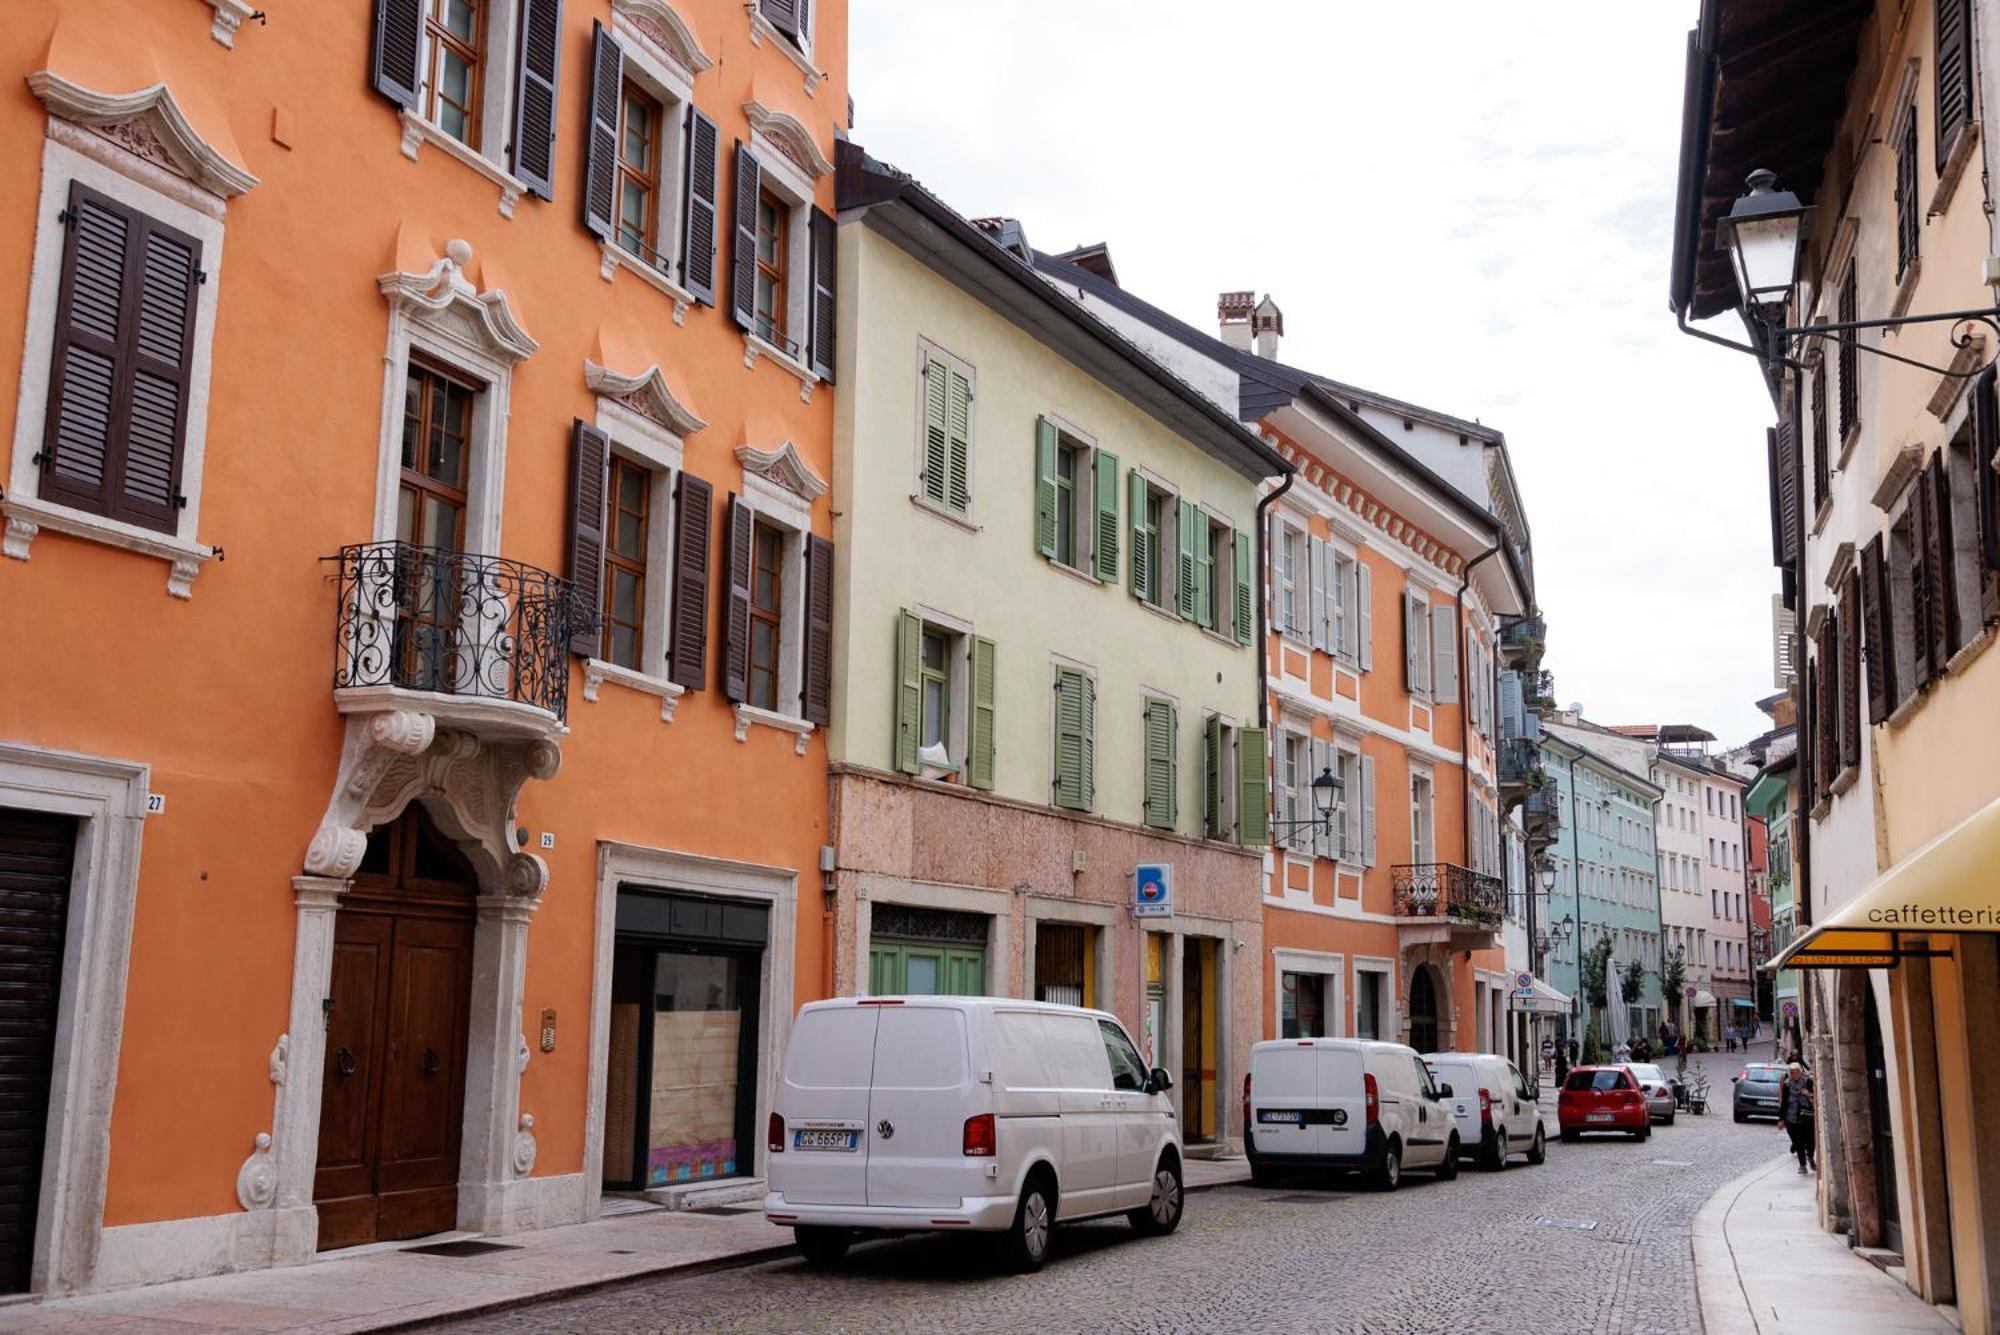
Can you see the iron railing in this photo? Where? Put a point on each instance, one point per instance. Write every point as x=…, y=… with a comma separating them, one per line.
x=1516, y=633
x=1520, y=761
x=1538, y=689
x=1449, y=891
x=432, y=619
x=1544, y=807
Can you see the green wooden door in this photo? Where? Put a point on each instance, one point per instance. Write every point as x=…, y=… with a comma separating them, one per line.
x=900, y=968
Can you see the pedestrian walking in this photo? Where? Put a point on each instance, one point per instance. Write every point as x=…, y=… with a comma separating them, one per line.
x=1795, y=1112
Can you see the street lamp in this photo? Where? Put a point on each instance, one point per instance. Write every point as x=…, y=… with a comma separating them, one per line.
x=1762, y=233
x=1326, y=790
x=1549, y=879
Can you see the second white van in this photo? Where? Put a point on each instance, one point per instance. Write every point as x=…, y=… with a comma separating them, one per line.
x=1345, y=1105
x=966, y=1114
x=1496, y=1114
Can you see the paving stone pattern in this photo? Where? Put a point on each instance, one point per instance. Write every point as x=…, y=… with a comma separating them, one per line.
x=1486, y=1252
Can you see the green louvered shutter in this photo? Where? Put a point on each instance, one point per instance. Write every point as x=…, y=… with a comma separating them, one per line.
x=1245, y=572
x=1144, y=540
x=1184, y=588
x=909, y=688
x=937, y=443
x=1253, y=789
x=1212, y=805
x=1162, y=769
x=1089, y=742
x=1045, y=487
x=958, y=442
x=1069, y=739
x=1106, y=494
x=1204, y=571
x=979, y=764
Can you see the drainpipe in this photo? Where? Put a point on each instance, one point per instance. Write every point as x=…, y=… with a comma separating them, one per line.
x=1264, y=601
x=1576, y=884
x=1464, y=713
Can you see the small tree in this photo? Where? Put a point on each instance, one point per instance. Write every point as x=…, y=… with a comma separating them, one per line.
x=1594, y=966
x=1673, y=978
x=1632, y=985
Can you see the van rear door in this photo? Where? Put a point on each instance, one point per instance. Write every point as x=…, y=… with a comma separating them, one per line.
x=1284, y=1098
x=823, y=1098
x=1343, y=1101
x=923, y=1094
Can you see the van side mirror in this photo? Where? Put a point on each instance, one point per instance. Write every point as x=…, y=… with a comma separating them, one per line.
x=1159, y=1082
x=1444, y=1091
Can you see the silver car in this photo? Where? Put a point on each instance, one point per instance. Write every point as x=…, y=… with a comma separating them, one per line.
x=1659, y=1094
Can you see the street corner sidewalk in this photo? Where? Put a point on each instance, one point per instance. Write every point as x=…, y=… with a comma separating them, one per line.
x=1763, y=1264
x=395, y=1286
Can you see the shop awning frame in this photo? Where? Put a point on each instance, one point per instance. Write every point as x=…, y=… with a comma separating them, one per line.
x=1932, y=892
x=1543, y=1000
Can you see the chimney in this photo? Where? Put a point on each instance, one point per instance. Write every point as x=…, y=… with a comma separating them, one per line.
x=1268, y=322
x=1233, y=310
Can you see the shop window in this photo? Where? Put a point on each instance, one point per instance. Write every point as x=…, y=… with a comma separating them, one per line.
x=1303, y=1005
x=1064, y=963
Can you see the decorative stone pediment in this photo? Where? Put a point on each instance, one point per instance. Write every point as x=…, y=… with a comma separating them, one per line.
x=443, y=297
x=646, y=394
x=149, y=124
x=784, y=467
x=788, y=134
x=669, y=34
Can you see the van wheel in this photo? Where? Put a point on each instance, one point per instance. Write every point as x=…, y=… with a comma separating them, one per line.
x=1389, y=1175
x=1496, y=1157
x=1447, y=1168
x=1538, y=1153
x=821, y=1245
x=1262, y=1174
x=1034, y=1221
x=1162, y=1213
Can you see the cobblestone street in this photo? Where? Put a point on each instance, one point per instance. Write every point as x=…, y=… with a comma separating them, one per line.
x=1489, y=1251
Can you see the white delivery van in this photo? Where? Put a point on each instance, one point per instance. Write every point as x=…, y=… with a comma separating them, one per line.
x=918, y=1114
x=1345, y=1105
x=1496, y=1114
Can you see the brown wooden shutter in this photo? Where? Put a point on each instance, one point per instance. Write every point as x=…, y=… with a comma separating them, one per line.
x=687, y=656
x=1954, y=73
x=600, y=142
x=116, y=424
x=1985, y=445
x=1907, y=226
x=818, y=705
x=1850, y=670
x=1788, y=524
x=590, y=460
x=1945, y=630
x=1822, y=450
x=736, y=602
x=399, y=32
x=1850, y=364
x=743, y=245
x=1809, y=732
x=1827, y=736
x=1922, y=595
x=1876, y=620
x=823, y=261
x=534, y=151
x=783, y=14
x=698, y=203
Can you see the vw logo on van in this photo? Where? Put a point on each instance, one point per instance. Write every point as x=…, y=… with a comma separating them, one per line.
x=885, y=1129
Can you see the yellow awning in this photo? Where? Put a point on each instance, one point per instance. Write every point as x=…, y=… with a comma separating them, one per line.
x=1949, y=885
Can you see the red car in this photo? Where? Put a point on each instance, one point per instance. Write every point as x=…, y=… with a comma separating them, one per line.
x=1602, y=1098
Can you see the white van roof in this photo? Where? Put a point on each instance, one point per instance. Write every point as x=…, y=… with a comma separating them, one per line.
x=957, y=1003
x=1343, y=1044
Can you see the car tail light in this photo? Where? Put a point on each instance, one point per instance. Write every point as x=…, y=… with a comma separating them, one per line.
x=1485, y=1106
x=1373, y=1097
x=1633, y=1096
x=1743, y=1074
x=775, y=1140
x=1246, y=1103
x=979, y=1137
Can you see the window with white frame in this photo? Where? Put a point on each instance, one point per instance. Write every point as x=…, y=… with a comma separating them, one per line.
x=1423, y=830
x=1219, y=770
x=1418, y=647
x=1347, y=768
x=1294, y=795
x=1155, y=536
x=1292, y=579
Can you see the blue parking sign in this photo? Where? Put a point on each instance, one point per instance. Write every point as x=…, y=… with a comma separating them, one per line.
x=1153, y=889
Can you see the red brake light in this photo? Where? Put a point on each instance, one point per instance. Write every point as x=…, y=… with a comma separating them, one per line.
x=1485, y=1106
x=980, y=1140
x=775, y=1140
x=1374, y=1099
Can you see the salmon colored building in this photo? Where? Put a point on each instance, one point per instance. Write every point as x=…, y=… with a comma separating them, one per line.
x=412, y=785
x=1388, y=568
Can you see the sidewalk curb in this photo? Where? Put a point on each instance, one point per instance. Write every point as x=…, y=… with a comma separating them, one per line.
x=1725, y=1308
x=677, y=1270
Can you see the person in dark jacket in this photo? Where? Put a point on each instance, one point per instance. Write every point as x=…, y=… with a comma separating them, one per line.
x=1795, y=1113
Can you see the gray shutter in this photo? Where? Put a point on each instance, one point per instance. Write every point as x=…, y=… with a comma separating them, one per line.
x=1368, y=810
x=1283, y=786
x=783, y=14
x=1444, y=676
x=909, y=689
x=736, y=604
x=698, y=203
x=1954, y=68
x=1412, y=680
x=1323, y=839
x=399, y=35
x=1350, y=818
x=823, y=261
x=1274, y=550
x=600, y=145
x=1212, y=803
x=534, y=148
x=590, y=458
x=1364, y=587
x=817, y=705
x=687, y=657
x=743, y=244
x=1316, y=578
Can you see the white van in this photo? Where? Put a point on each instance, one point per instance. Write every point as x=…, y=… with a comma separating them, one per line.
x=918, y=1114
x=1347, y=1105
x=1497, y=1115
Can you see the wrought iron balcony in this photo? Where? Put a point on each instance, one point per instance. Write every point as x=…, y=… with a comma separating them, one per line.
x=475, y=628
x=1448, y=892
x=1522, y=638
x=1520, y=761
x=1543, y=807
x=1538, y=689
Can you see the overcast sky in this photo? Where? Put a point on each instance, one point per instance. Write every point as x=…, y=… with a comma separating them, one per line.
x=1466, y=205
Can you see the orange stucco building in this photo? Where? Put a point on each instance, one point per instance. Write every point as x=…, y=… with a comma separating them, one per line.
x=373, y=895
